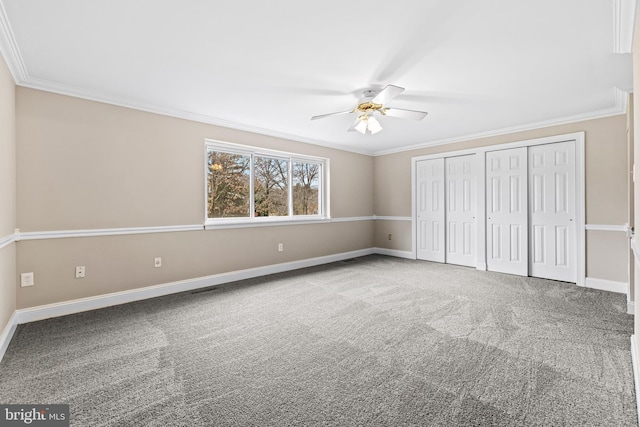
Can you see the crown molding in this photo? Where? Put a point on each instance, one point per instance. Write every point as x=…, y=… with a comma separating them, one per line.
x=624, y=16
x=10, y=50
x=77, y=92
x=620, y=100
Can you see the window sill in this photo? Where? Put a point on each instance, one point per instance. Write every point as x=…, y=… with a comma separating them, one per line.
x=262, y=222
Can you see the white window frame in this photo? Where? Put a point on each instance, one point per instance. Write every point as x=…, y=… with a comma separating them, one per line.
x=253, y=221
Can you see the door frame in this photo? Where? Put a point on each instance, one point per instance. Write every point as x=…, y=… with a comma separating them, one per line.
x=481, y=264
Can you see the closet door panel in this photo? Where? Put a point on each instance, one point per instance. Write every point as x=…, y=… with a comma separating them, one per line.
x=431, y=210
x=506, y=204
x=460, y=212
x=552, y=217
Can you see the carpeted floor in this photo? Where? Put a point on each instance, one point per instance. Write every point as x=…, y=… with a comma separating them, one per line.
x=372, y=341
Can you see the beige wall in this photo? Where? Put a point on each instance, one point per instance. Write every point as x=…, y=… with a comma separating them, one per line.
x=606, y=153
x=607, y=255
x=120, y=263
x=87, y=165
x=400, y=235
x=606, y=188
x=7, y=194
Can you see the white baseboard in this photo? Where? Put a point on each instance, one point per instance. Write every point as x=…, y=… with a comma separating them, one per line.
x=85, y=304
x=634, y=366
x=395, y=253
x=7, y=334
x=606, y=285
x=91, y=303
x=631, y=307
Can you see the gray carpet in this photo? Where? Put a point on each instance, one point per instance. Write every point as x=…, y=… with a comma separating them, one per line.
x=372, y=341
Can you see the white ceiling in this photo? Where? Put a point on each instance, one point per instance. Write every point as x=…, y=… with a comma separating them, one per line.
x=477, y=67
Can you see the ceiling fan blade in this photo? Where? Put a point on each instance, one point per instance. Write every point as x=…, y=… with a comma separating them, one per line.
x=387, y=94
x=353, y=126
x=322, y=116
x=405, y=114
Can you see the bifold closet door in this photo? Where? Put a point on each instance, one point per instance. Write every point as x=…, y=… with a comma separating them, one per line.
x=506, y=205
x=431, y=210
x=460, y=215
x=552, y=218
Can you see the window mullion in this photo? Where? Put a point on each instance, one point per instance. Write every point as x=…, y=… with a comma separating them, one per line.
x=321, y=190
x=290, y=185
x=252, y=206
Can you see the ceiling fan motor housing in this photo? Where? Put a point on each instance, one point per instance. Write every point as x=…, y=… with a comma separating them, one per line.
x=365, y=105
x=368, y=95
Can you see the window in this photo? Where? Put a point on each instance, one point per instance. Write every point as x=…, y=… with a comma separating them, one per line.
x=228, y=182
x=306, y=188
x=271, y=188
x=246, y=184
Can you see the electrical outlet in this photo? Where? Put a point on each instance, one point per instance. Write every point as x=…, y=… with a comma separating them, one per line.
x=26, y=279
x=157, y=262
x=80, y=272
x=389, y=236
x=280, y=247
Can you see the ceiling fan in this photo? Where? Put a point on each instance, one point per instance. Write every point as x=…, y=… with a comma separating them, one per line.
x=372, y=102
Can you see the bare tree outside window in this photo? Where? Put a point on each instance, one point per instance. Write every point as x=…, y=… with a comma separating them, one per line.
x=306, y=185
x=271, y=195
x=228, y=179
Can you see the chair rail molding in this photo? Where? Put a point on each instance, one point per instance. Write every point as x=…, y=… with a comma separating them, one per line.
x=7, y=240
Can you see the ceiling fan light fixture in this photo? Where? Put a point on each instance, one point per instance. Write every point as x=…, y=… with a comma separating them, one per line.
x=373, y=125
x=371, y=102
x=362, y=126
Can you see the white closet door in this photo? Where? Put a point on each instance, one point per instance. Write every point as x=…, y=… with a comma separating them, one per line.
x=506, y=190
x=431, y=210
x=461, y=210
x=552, y=191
